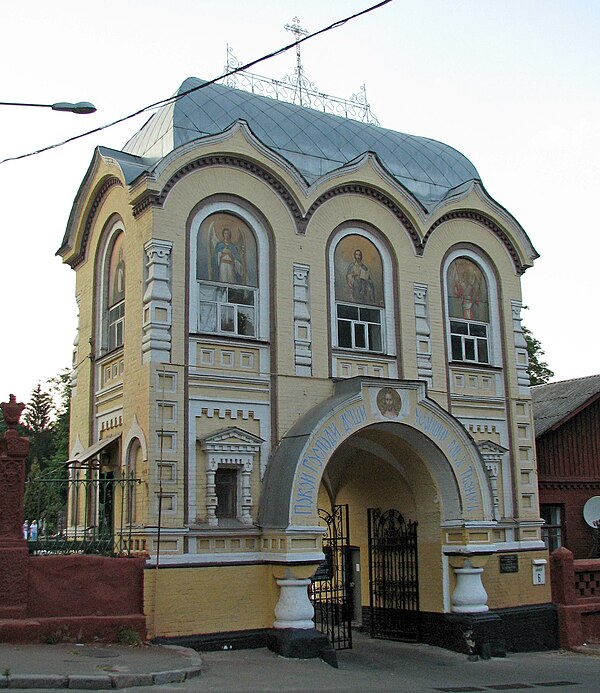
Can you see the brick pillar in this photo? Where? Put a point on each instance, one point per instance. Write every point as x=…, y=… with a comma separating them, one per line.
x=562, y=571
x=13, y=548
x=570, y=630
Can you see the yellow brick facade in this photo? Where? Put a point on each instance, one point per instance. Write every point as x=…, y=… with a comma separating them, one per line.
x=192, y=407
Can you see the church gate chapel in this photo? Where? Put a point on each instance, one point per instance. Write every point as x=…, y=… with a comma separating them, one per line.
x=302, y=334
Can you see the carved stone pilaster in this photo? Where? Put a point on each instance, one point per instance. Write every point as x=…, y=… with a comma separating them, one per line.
x=492, y=455
x=157, y=303
x=76, y=348
x=423, y=334
x=302, y=321
x=521, y=355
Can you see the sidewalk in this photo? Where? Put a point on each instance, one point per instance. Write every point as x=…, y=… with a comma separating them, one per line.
x=95, y=666
x=372, y=665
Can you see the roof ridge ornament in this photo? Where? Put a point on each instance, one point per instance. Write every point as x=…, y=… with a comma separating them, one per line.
x=297, y=88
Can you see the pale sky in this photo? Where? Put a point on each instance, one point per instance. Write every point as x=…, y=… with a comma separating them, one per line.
x=512, y=84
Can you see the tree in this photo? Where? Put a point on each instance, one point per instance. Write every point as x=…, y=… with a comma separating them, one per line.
x=539, y=371
x=39, y=410
x=38, y=419
x=60, y=387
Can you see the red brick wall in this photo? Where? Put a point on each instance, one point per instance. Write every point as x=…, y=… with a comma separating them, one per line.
x=75, y=585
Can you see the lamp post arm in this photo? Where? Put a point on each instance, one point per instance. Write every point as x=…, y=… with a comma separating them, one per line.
x=82, y=107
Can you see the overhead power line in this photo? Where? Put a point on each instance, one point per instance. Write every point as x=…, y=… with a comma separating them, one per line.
x=176, y=97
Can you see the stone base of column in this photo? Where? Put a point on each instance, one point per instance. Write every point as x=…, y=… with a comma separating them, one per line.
x=483, y=634
x=302, y=643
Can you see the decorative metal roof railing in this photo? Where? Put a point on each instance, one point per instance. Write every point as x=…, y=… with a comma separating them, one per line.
x=299, y=90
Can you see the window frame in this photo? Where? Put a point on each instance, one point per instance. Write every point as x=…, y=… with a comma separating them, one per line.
x=386, y=312
x=233, y=482
x=492, y=338
x=469, y=340
x=261, y=291
x=358, y=322
x=237, y=308
x=111, y=330
x=554, y=532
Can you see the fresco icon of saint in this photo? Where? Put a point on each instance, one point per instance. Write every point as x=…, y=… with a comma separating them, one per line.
x=358, y=271
x=389, y=402
x=226, y=252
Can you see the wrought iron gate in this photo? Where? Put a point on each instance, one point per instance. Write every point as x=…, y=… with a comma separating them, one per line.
x=393, y=576
x=331, y=587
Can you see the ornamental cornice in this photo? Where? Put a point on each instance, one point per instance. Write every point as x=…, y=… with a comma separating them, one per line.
x=367, y=191
x=231, y=440
x=101, y=193
x=569, y=485
x=489, y=447
x=154, y=199
x=484, y=220
x=157, y=199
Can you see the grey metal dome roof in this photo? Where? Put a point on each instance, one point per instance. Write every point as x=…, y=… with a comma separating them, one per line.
x=315, y=143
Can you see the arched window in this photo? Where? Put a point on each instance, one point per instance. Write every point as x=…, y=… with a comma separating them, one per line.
x=359, y=294
x=470, y=318
x=116, y=293
x=226, y=243
x=111, y=288
x=130, y=472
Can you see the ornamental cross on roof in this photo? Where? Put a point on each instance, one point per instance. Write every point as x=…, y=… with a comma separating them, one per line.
x=296, y=88
x=298, y=32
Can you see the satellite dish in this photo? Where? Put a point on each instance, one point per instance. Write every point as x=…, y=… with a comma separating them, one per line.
x=591, y=510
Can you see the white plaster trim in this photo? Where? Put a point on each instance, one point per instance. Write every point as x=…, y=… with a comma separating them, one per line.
x=135, y=433
x=77, y=448
x=250, y=557
x=496, y=547
x=446, y=583
x=109, y=235
x=153, y=531
x=470, y=524
x=469, y=549
x=521, y=545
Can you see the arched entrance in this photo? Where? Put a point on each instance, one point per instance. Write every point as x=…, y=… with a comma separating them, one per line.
x=376, y=444
x=374, y=492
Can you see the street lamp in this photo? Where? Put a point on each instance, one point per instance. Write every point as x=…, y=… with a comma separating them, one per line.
x=80, y=107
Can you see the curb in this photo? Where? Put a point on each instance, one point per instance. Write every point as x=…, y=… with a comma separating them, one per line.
x=103, y=682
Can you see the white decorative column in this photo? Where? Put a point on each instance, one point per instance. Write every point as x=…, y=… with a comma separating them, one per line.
x=423, y=334
x=521, y=355
x=157, y=304
x=246, y=509
x=211, y=492
x=294, y=610
x=469, y=596
x=302, y=321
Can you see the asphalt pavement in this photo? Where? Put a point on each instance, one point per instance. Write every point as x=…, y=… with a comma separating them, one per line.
x=372, y=665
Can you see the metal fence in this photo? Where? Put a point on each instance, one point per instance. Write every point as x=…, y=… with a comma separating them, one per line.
x=79, y=511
